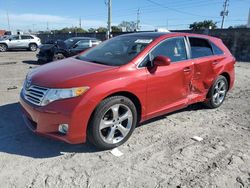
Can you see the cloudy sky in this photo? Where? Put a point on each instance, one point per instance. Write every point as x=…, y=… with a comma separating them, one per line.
x=177, y=14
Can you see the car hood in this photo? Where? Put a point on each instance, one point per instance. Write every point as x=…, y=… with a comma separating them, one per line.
x=65, y=73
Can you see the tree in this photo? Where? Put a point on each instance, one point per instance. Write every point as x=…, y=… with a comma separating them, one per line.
x=91, y=30
x=238, y=26
x=128, y=26
x=72, y=30
x=206, y=24
x=102, y=30
x=115, y=29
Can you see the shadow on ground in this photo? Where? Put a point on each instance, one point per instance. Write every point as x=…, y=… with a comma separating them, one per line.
x=16, y=139
x=193, y=107
x=31, y=62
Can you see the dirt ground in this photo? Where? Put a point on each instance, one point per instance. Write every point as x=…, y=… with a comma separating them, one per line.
x=160, y=153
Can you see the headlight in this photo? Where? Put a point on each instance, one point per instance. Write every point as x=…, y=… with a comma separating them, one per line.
x=57, y=94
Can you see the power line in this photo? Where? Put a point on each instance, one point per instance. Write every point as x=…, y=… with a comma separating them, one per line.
x=225, y=12
x=173, y=9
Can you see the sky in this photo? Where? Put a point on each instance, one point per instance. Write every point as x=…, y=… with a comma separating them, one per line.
x=178, y=14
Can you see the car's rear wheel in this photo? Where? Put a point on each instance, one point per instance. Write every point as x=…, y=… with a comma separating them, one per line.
x=112, y=122
x=217, y=92
x=3, y=47
x=58, y=56
x=33, y=47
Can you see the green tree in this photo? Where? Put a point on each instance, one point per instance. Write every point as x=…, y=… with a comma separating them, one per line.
x=116, y=29
x=102, y=30
x=92, y=30
x=128, y=26
x=206, y=24
x=238, y=26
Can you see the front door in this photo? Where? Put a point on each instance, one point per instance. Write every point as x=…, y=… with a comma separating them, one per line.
x=168, y=87
x=14, y=42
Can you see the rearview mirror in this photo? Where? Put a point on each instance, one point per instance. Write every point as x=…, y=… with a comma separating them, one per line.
x=161, y=61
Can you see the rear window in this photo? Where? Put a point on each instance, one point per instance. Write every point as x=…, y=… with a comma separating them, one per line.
x=200, y=47
x=216, y=49
x=26, y=37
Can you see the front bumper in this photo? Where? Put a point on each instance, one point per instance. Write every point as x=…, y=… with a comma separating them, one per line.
x=45, y=121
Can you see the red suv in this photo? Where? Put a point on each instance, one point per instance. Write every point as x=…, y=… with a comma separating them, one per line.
x=103, y=93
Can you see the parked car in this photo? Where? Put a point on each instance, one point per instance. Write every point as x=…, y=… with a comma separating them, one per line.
x=105, y=92
x=62, y=49
x=29, y=42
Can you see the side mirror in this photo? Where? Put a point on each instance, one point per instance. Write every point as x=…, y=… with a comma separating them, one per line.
x=9, y=39
x=161, y=61
x=75, y=46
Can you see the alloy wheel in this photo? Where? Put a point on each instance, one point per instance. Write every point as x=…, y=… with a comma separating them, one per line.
x=116, y=123
x=219, y=93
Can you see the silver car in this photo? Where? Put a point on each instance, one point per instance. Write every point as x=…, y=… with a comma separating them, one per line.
x=30, y=42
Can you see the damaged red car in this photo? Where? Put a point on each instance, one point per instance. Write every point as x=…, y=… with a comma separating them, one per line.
x=105, y=92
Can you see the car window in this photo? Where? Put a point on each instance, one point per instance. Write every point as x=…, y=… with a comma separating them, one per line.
x=173, y=48
x=200, y=47
x=26, y=37
x=83, y=44
x=216, y=49
x=15, y=37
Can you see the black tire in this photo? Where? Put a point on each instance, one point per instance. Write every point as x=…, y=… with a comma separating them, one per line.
x=33, y=47
x=94, y=133
x=211, y=101
x=58, y=56
x=3, y=47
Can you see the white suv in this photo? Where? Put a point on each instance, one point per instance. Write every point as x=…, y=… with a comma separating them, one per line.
x=19, y=42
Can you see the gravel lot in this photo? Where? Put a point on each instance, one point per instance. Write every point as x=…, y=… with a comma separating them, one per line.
x=160, y=153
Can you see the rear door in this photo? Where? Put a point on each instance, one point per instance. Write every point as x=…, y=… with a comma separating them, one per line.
x=168, y=86
x=204, y=64
x=25, y=41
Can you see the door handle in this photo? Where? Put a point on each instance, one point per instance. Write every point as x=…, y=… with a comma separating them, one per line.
x=187, y=69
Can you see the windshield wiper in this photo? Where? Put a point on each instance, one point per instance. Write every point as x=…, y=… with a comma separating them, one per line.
x=89, y=60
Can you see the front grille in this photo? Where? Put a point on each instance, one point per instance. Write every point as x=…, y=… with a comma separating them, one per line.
x=34, y=94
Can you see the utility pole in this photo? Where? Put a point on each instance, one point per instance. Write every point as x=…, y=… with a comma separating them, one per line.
x=8, y=20
x=80, y=22
x=248, y=22
x=224, y=13
x=47, y=26
x=138, y=20
x=109, y=18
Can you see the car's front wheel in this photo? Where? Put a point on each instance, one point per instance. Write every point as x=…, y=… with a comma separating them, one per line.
x=112, y=123
x=217, y=92
x=58, y=56
x=3, y=47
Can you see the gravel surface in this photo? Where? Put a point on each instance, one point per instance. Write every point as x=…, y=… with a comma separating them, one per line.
x=160, y=152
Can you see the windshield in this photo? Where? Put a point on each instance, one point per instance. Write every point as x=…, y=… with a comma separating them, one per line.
x=69, y=42
x=116, y=51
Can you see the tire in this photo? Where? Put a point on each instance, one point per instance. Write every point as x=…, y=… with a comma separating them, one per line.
x=112, y=122
x=33, y=47
x=58, y=56
x=3, y=47
x=217, y=92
